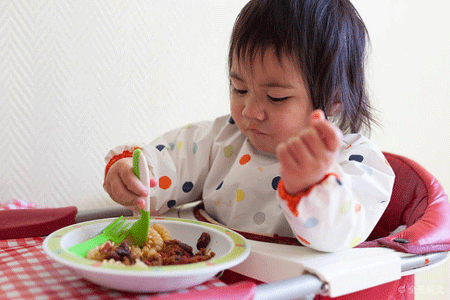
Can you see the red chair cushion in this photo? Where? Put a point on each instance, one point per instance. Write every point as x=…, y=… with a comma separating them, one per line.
x=419, y=202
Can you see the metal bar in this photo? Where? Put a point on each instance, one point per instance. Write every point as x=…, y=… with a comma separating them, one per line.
x=292, y=288
x=418, y=261
x=101, y=213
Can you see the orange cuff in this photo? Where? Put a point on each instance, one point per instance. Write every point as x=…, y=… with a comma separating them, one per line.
x=125, y=153
x=294, y=200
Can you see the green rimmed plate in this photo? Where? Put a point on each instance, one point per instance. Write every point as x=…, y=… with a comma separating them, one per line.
x=230, y=248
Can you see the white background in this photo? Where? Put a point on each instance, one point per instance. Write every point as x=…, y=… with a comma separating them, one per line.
x=82, y=76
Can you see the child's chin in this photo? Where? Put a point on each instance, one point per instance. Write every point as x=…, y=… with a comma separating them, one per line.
x=261, y=147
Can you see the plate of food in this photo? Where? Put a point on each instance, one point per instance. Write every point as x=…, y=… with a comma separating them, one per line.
x=170, y=260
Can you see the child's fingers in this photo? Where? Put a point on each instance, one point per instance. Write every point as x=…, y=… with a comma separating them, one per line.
x=317, y=115
x=140, y=204
x=328, y=132
x=133, y=184
x=124, y=187
x=295, y=153
x=120, y=193
x=312, y=142
x=294, y=161
x=153, y=182
x=284, y=157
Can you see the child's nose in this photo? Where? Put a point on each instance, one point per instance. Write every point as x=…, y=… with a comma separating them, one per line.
x=253, y=109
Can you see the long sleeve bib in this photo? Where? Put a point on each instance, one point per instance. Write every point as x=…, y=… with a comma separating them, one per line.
x=241, y=187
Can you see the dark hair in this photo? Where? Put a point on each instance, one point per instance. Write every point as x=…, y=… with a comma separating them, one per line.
x=326, y=38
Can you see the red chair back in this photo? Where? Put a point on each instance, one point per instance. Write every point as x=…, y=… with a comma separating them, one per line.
x=419, y=202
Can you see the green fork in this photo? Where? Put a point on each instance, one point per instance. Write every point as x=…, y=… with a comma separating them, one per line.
x=139, y=230
x=115, y=232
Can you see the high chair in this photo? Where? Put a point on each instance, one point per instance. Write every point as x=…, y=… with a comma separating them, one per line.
x=418, y=203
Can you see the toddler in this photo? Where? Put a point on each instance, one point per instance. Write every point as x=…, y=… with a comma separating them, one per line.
x=278, y=164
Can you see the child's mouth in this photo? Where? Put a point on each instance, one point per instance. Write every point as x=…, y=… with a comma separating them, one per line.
x=256, y=131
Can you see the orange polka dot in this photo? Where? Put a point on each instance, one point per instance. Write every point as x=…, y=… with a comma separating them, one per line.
x=165, y=182
x=357, y=208
x=303, y=240
x=245, y=159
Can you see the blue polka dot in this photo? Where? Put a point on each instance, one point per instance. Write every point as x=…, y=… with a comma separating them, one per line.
x=187, y=186
x=219, y=186
x=231, y=120
x=311, y=222
x=195, y=148
x=171, y=146
x=171, y=203
x=338, y=181
x=367, y=169
x=160, y=147
x=356, y=157
x=275, y=182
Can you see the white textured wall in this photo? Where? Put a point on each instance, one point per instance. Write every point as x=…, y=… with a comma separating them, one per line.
x=410, y=79
x=79, y=77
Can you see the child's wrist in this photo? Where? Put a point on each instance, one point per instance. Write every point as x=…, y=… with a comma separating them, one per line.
x=296, y=192
x=115, y=158
x=301, y=191
x=292, y=200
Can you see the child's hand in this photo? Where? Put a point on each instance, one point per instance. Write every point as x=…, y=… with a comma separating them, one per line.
x=124, y=187
x=305, y=159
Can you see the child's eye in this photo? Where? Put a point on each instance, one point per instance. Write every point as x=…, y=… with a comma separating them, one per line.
x=240, y=92
x=273, y=99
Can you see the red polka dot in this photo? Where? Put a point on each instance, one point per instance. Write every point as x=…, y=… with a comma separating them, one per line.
x=245, y=159
x=165, y=182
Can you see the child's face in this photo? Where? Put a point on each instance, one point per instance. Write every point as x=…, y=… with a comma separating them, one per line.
x=269, y=100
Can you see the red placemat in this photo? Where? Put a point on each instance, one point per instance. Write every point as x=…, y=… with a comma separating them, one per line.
x=26, y=272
